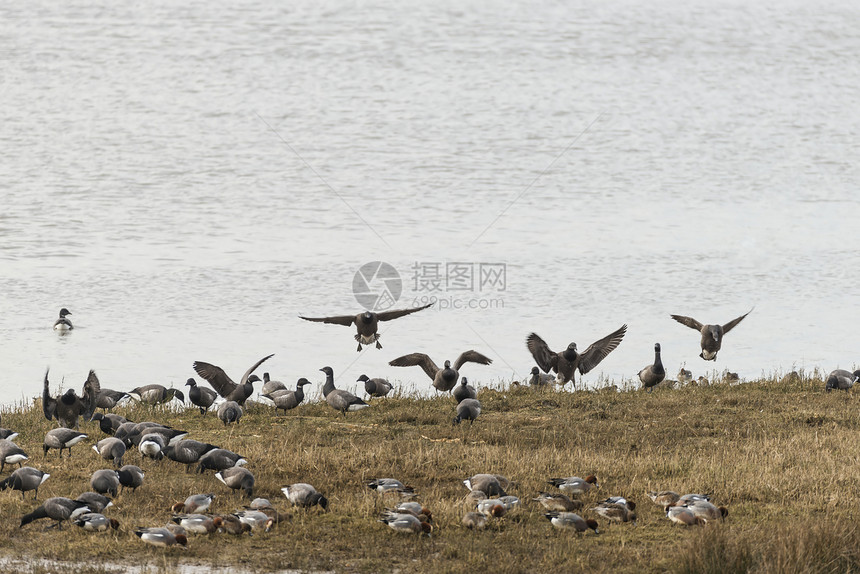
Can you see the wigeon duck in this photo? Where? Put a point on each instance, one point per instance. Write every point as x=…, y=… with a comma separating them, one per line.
x=558, y=502
x=130, y=476
x=161, y=537
x=201, y=397
x=367, y=323
x=287, y=400
x=231, y=524
x=510, y=502
x=664, y=498
x=237, y=478
x=338, y=399
x=464, y=391
x=256, y=519
x=841, y=379
x=566, y=363
x=414, y=508
x=260, y=503
x=444, y=379
x=614, y=512
x=707, y=511
x=468, y=410
x=620, y=500
x=683, y=515
x=569, y=520
x=383, y=485
x=492, y=507
x=95, y=522
x=712, y=335
x=194, y=504
x=229, y=412
x=489, y=484
x=475, y=521
x=270, y=386
x=63, y=324
x=574, y=484
x=198, y=523
x=69, y=406
x=156, y=394
x=61, y=438
x=224, y=385
x=24, y=479
x=375, y=387
x=688, y=498
x=57, y=508
x=219, y=459
x=111, y=449
x=653, y=374
x=407, y=523
x=474, y=497
x=305, y=495
x=105, y=481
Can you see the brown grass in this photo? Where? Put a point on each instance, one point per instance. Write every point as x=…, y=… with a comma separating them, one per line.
x=781, y=455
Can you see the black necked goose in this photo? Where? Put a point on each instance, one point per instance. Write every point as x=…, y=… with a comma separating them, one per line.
x=567, y=362
x=11, y=453
x=841, y=379
x=225, y=386
x=108, y=398
x=219, y=459
x=95, y=501
x=229, y=412
x=287, y=400
x=444, y=379
x=376, y=387
x=366, y=323
x=202, y=397
x=111, y=449
x=305, y=495
x=188, y=452
x=130, y=476
x=63, y=324
x=57, y=508
x=712, y=335
x=653, y=375
x=338, y=399
x=237, y=478
x=69, y=406
x=105, y=481
x=270, y=386
x=152, y=446
x=156, y=394
x=468, y=410
x=109, y=422
x=61, y=438
x=538, y=379
x=95, y=522
x=25, y=479
x=464, y=391
x=489, y=484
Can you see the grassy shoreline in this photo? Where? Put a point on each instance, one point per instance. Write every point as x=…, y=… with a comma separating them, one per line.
x=781, y=454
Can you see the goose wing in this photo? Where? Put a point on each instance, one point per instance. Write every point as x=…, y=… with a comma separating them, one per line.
x=471, y=356
x=690, y=322
x=546, y=358
x=389, y=315
x=345, y=320
x=49, y=404
x=90, y=396
x=216, y=377
x=598, y=350
x=733, y=323
x=251, y=370
x=419, y=359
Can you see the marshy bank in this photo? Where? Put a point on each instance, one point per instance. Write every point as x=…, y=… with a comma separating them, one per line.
x=780, y=453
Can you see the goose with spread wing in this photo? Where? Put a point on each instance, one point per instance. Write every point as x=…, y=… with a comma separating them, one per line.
x=366, y=323
x=225, y=386
x=712, y=335
x=446, y=378
x=567, y=362
x=69, y=406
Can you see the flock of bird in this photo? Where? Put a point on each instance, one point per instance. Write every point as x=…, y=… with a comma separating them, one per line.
x=487, y=499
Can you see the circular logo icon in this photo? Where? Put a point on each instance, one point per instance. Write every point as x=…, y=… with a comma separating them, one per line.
x=377, y=286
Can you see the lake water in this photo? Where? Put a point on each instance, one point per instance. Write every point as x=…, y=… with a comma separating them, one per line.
x=188, y=178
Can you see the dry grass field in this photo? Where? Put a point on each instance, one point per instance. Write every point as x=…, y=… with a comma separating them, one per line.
x=781, y=454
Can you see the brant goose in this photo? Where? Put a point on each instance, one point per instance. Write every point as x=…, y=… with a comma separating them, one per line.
x=366, y=323
x=62, y=324
x=568, y=361
x=653, y=375
x=712, y=335
x=225, y=386
x=444, y=379
x=69, y=406
x=337, y=399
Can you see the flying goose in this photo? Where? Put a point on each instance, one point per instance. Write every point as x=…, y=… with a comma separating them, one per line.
x=202, y=397
x=444, y=379
x=712, y=335
x=366, y=323
x=62, y=324
x=337, y=399
x=225, y=386
x=69, y=406
x=653, y=375
x=566, y=363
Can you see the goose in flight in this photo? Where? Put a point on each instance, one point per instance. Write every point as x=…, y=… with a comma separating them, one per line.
x=712, y=335
x=567, y=362
x=366, y=323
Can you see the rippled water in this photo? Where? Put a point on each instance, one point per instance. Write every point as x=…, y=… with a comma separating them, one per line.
x=189, y=178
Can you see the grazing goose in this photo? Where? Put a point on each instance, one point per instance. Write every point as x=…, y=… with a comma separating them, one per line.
x=63, y=324
x=145, y=429
x=225, y=386
x=707, y=511
x=8, y=434
x=57, y=508
x=444, y=379
x=237, y=478
x=653, y=375
x=712, y=335
x=615, y=512
x=664, y=498
x=406, y=523
x=558, y=502
x=366, y=323
x=61, y=438
x=375, y=387
x=105, y=481
x=383, y=485
x=287, y=400
x=841, y=379
x=195, y=503
x=69, y=406
x=270, y=386
x=569, y=520
x=156, y=394
x=95, y=522
x=229, y=412
x=337, y=399
x=574, y=484
x=95, y=501
x=305, y=495
x=197, y=523
x=219, y=459
x=683, y=515
x=468, y=410
x=202, y=397
x=160, y=537
x=188, y=452
x=566, y=363
x=489, y=484
x=109, y=422
x=152, y=445
x=464, y=391
x=539, y=379
x=24, y=479
x=108, y=398
x=130, y=476
x=111, y=449
x=11, y=453
x=475, y=521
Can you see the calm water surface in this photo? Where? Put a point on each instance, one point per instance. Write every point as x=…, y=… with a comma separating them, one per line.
x=188, y=179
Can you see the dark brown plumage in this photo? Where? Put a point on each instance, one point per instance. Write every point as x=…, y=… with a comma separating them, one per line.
x=712, y=335
x=445, y=378
x=224, y=385
x=367, y=323
x=567, y=362
x=69, y=406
